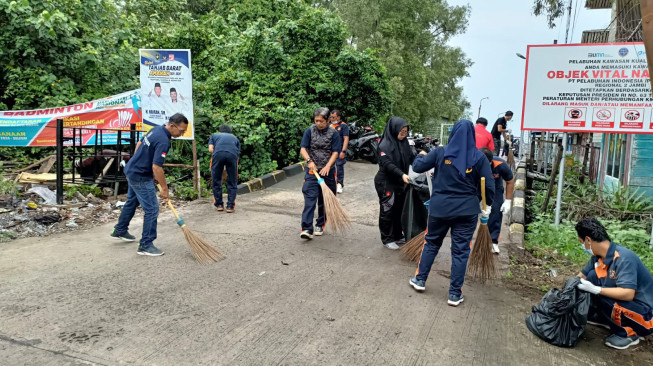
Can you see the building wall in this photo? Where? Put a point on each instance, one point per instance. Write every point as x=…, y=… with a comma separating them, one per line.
x=641, y=163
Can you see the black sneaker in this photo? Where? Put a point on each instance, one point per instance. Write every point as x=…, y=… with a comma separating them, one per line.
x=150, y=250
x=126, y=236
x=306, y=235
x=318, y=231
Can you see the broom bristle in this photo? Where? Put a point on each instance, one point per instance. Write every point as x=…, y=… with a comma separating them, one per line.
x=511, y=159
x=337, y=218
x=412, y=250
x=203, y=252
x=481, y=260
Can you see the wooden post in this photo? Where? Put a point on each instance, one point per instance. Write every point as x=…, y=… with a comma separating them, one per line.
x=196, y=183
x=554, y=172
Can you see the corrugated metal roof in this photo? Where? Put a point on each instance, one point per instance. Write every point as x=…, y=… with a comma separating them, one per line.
x=595, y=36
x=598, y=4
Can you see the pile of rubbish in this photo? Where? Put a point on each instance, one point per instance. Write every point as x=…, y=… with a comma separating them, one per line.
x=35, y=213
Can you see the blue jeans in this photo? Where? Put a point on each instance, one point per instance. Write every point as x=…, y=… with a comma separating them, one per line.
x=220, y=161
x=313, y=195
x=340, y=170
x=143, y=193
x=462, y=231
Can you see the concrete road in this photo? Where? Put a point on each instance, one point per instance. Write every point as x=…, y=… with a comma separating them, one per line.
x=81, y=298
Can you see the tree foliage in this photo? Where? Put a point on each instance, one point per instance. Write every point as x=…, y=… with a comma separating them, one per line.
x=411, y=38
x=553, y=9
x=261, y=66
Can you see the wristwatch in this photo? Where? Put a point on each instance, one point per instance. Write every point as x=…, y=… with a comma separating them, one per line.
x=308, y=160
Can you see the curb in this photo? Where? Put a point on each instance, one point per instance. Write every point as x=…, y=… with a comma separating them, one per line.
x=270, y=179
x=518, y=210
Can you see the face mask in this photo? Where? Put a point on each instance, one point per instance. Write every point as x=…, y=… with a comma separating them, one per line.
x=588, y=251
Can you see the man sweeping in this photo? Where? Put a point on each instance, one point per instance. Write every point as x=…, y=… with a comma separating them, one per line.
x=502, y=173
x=320, y=147
x=622, y=287
x=455, y=204
x=145, y=166
x=500, y=128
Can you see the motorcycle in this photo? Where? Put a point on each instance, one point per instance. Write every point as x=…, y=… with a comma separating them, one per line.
x=421, y=143
x=363, y=143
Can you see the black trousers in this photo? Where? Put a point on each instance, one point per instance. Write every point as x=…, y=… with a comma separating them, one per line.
x=391, y=202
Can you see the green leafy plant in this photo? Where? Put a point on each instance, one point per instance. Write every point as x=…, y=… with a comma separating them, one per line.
x=8, y=186
x=71, y=190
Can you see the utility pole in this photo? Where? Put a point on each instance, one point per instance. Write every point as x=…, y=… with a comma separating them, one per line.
x=568, y=21
x=646, y=7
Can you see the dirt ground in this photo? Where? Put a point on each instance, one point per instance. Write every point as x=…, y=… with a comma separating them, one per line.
x=81, y=298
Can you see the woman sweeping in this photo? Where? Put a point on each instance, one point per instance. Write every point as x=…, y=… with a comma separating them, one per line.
x=458, y=169
x=391, y=180
x=320, y=148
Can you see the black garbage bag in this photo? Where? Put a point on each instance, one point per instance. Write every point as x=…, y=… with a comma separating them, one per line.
x=414, y=217
x=561, y=316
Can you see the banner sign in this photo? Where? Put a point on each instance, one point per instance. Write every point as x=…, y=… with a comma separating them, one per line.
x=166, y=87
x=38, y=127
x=588, y=88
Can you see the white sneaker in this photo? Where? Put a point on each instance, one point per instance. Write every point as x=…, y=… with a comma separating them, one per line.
x=495, y=248
x=339, y=188
x=391, y=246
x=306, y=235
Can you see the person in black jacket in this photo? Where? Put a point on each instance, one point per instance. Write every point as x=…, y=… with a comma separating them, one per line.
x=391, y=180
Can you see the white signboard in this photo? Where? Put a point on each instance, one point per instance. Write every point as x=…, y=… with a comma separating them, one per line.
x=166, y=88
x=588, y=88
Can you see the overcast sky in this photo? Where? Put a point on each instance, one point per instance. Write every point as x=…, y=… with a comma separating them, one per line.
x=499, y=29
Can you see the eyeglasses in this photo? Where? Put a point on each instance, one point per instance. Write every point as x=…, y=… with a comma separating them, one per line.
x=181, y=132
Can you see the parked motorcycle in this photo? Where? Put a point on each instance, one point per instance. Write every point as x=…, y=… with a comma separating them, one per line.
x=363, y=143
x=422, y=143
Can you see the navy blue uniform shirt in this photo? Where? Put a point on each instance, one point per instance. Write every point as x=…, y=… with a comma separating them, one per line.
x=501, y=172
x=225, y=142
x=336, y=141
x=342, y=129
x=623, y=268
x=153, y=150
x=452, y=194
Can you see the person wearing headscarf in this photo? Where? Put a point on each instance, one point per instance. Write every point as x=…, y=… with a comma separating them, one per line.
x=320, y=147
x=455, y=204
x=392, y=179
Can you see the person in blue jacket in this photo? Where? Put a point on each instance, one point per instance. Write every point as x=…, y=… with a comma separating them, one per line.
x=143, y=168
x=320, y=147
x=455, y=203
x=225, y=148
x=620, y=284
x=502, y=172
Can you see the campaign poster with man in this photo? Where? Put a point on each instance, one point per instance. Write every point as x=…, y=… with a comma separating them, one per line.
x=166, y=87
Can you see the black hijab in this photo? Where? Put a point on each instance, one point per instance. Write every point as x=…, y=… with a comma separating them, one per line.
x=397, y=150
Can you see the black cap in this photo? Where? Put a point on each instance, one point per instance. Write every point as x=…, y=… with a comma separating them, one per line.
x=157, y=85
x=173, y=90
x=482, y=121
x=509, y=113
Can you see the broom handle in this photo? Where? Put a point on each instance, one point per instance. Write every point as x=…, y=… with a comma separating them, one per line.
x=170, y=205
x=483, y=192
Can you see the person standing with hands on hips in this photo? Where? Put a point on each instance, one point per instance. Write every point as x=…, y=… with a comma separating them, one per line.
x=320, y=148
x=225, y=150
x=455, y=204
x=621, y=285
x=145, y=165
x=501, y=172
x=335, y=119
x=392, y=179
x=500, y=127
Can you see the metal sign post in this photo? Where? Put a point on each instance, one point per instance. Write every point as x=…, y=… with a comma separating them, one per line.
x=561, y=178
